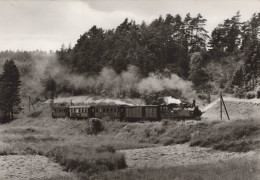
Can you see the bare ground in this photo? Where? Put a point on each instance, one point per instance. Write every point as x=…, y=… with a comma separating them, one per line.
x=28, y=167
x=177, y=155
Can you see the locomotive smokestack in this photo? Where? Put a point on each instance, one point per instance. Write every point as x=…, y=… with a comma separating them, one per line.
x=194, y=103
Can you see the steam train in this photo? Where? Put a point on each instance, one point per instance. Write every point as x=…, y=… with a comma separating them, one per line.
x=129, y=113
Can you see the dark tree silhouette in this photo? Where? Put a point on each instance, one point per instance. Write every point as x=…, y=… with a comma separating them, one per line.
x=9, y=90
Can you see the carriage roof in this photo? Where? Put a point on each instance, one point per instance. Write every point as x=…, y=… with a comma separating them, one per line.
x=60, y=107
x=82, y=106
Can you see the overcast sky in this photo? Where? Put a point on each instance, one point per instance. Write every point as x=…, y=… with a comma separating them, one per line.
x=46, y=24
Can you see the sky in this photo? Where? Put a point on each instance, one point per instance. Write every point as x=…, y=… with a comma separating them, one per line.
x=47, y=24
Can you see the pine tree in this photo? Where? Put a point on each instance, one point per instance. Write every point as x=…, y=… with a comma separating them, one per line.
x=198, y=74
x=9, y=90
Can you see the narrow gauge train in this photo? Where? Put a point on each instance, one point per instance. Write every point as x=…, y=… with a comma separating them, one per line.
x=129, y=113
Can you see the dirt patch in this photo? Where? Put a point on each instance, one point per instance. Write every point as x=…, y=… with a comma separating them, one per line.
x=28, y=167
x=168, y=156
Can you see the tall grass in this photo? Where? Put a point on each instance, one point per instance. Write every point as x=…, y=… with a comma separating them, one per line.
x=236, y=136
x=84, y=160
x=236, y=169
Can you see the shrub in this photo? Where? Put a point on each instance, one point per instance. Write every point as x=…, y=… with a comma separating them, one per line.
x=258, y=94
x=202, y=96
x=241, y=146
x=165, y=122
x=84, y=160
x=250, y=95
x=105, y=148
x=239, y=92
x=95, y=126
x=147, y=133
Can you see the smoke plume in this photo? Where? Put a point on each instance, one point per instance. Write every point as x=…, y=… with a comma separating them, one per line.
x=107, y=82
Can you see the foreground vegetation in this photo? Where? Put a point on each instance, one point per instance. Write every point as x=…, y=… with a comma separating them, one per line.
x=235, y=136
x=239, y=169
x=68, y=143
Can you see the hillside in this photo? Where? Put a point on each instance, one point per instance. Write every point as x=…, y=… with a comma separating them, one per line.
x=237, y=109
x=163, y=144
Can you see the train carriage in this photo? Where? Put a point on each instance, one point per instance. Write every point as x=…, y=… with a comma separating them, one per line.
x=149, y=112
x=59, y=111
x=111, y=111
x=81, y=112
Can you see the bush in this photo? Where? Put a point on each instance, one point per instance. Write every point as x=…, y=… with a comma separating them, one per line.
x=84, y=160
x=250, y=95
x=202, y=96
x=239, y=92
x=95, y=126
x=105, y=148
x=241, y=146
x=258, y=93
x=165, y=122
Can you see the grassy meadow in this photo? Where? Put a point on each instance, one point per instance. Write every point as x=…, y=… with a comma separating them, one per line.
x=68, y=143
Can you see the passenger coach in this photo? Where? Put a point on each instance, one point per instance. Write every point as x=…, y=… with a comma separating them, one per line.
x=111, y=111
x=151, y=112
x=59, y=111
x=81, y=112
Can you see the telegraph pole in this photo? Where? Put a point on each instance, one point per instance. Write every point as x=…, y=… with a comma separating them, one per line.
x=221, y=100
x=29, y=103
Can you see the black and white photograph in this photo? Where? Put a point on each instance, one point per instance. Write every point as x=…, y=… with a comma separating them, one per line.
x=129, y=89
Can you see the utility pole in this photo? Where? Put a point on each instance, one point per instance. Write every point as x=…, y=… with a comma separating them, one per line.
x=220, y=105
x=29, y=103
x=222, y=101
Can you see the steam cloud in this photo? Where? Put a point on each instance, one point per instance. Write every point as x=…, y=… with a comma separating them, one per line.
x=107, y=81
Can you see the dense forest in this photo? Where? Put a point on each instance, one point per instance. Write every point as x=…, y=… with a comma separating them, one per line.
x=227, y=60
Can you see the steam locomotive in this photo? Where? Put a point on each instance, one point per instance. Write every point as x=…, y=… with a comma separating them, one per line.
x=181, y=111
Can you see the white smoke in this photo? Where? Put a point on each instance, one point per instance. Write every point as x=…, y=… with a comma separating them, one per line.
x=110, y=83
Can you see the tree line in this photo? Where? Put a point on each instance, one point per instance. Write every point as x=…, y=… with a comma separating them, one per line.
x=180, y=44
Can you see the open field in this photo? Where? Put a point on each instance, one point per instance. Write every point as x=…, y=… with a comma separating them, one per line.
x=121, y=147
x=177, y=155
x=238, y=169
